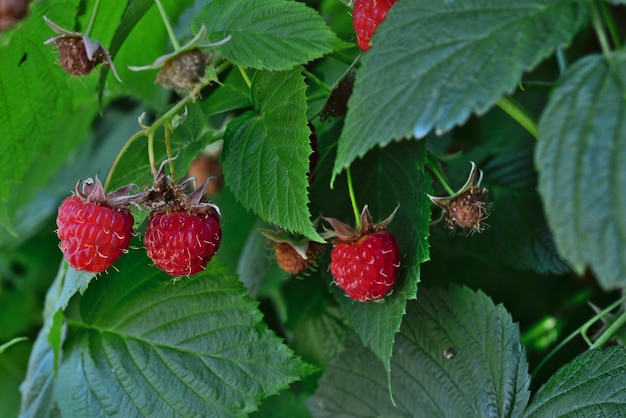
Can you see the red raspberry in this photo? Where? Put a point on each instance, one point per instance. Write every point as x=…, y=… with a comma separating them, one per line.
x=366, y=16
x=366, y=269
x=93, y=236
x=181, y=244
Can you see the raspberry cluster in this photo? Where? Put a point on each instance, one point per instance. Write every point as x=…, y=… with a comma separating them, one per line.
x=182, y=235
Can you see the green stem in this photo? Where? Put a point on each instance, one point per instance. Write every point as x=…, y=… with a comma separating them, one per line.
x=168, y=26
x=519, y=114
x=149, y=130
x=245, y=76
x=610, y=332
x=355, y=207
x=610, y=24
x=92, y=18
x=151, y=153
x=168, y=148
x=434, y=166
x=581, y=330
x=598, y=27
x=317, y=81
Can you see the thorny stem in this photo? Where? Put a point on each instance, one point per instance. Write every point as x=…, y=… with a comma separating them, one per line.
x=92, y=18
x=436, y=169
x=355, y=208
x=149, y=130
x=598, y=27
x=519, y=114
x=168, y=26
x=582, y=330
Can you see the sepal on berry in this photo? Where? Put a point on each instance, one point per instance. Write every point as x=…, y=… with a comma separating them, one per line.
x=79, y=53
x=92, y=191
x=346, y=232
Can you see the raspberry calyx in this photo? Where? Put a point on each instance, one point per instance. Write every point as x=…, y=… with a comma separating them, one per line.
x=95, y=229
x=365, y=261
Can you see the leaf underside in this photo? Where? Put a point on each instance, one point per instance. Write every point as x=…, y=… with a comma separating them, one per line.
x=581, y=158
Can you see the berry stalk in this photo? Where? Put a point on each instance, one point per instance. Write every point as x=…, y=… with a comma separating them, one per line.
x=92, y=18
x=168, y=26
x=519, y=114
x=355, y=208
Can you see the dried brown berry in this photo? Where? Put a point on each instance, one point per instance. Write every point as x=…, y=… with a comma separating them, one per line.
x=74, y=58
x=11, y=12
x=467, y=208
x=468, y=211
x=291, y=261
x=185, y=70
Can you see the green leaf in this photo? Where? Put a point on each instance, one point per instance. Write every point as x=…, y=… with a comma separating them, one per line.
x=267, y=34
x=36, y=103
x=582, y=178
x=591, y=385
x=457, y=355
x=434, y=63
x=38, y=386
x=232, y=94
x=266, y=153
x=144, y=345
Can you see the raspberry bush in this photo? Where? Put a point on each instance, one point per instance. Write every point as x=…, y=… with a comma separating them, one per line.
x=239, y=275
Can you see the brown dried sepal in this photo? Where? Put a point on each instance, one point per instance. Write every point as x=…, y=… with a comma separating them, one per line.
x=185, y=70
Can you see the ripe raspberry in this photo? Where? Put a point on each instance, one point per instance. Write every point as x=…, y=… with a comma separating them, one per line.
x=182, y=244
x=366, y=269
x=94, y=231
x=183, y=233
x=364, y=262
x=366, y=16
